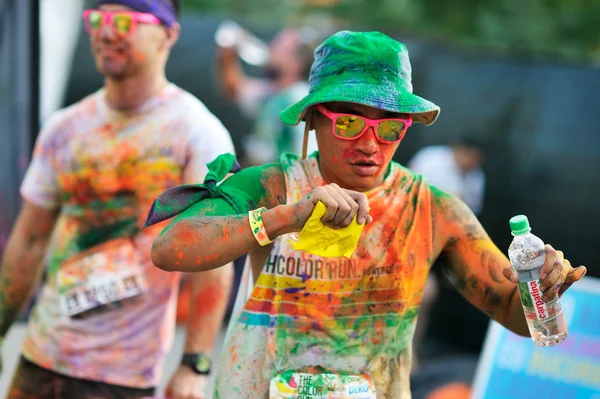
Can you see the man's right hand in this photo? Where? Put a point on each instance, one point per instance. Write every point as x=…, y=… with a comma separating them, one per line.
x=342, y=205
x=226, y=54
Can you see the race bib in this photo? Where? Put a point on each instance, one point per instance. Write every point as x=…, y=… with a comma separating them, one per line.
x=325, y=385
x=106, y=274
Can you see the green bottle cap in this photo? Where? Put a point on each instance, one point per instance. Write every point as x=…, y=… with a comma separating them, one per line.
x=519, y=225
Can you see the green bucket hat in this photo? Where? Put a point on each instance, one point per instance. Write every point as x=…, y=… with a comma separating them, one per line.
x=366, y=68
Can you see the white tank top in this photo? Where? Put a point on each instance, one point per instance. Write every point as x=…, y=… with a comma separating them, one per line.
x=355, y=315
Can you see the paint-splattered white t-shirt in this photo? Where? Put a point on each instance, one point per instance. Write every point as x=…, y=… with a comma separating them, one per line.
x=102, y=170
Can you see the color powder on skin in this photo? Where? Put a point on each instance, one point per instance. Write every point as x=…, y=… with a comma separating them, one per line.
x=305, y=307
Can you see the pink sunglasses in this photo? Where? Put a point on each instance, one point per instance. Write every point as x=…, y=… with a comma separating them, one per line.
x=351, y=127
x=121, y=22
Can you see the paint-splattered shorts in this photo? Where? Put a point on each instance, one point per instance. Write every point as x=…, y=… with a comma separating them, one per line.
x=33, y=382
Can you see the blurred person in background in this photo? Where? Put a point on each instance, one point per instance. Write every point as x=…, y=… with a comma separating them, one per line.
x=305, y=323
x=450, y=332
x=104, y=321
x=286, y=74
x=455, y=168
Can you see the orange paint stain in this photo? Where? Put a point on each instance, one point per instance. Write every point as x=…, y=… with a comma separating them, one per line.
x=138, y=56
x=206, y=300
x=234, y=357
x=187, y=237
x=210, y=258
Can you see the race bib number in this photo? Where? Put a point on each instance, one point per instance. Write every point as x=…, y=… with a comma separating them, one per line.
x=299, y=385
x=106, y=274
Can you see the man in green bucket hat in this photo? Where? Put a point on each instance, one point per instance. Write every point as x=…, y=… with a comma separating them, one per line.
x=309, y=323
x=366, y=68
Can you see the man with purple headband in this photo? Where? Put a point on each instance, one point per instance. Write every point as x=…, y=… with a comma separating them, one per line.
x=105, y=318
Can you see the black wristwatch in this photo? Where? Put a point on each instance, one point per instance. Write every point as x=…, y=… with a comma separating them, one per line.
x=198, y=362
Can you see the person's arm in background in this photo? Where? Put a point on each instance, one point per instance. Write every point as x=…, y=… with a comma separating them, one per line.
x=230, y=72
x=27, y=244
x=248, y=93
x=210, y=287
x=482, y=273
x=22, y=260
x=210, y=291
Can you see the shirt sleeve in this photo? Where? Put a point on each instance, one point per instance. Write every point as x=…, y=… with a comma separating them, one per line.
x=40, y=184
x=207, y=140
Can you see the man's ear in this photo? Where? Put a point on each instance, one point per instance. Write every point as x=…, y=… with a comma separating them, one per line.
x=173, y=35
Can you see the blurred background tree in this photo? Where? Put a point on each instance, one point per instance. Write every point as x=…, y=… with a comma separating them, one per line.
x=536, y=29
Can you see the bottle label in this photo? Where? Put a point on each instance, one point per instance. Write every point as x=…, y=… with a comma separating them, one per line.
x=531, y=296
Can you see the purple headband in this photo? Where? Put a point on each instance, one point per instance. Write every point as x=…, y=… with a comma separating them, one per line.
x=161, y=9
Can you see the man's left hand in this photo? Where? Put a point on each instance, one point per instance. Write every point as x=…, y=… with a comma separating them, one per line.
x=186, y=384
x=556, y=276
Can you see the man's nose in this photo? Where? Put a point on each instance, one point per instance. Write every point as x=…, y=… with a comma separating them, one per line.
x=367, y=143
x=106, y=32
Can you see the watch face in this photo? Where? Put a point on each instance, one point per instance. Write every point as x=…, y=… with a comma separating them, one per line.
x=202, y=364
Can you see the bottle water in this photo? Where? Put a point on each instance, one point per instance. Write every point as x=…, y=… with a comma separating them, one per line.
x=251, y=49
x=527, y=254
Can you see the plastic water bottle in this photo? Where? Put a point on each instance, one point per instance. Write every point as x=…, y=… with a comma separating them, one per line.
x=527, y=254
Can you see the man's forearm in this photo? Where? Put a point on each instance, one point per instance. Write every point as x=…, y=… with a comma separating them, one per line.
x=209, y=299
x=20, y=270
x=193, y=242
x=230, y=73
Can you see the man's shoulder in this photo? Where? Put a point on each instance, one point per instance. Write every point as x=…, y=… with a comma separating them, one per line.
x=254, y=174
x=63, y=119
x=288, y=159
x=194, y=107
x=86, y=106
x=405, y=174
x=266, y=182
x=195, y=115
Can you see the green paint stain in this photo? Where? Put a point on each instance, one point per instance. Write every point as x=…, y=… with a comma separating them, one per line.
x=439, y=195
x=362, y=335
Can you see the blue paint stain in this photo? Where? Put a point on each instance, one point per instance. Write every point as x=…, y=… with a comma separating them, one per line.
x=294, y=290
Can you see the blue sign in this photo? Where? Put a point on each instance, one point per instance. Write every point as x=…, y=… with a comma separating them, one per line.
x=513, y=367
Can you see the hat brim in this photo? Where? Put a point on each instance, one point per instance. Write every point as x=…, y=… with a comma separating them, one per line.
x=422, y=111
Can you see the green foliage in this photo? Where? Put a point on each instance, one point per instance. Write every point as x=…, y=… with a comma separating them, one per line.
x=556, y=29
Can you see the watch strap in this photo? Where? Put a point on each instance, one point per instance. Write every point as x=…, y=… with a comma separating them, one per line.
x=199, y=362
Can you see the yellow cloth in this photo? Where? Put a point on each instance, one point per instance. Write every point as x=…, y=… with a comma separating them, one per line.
x=318, y=239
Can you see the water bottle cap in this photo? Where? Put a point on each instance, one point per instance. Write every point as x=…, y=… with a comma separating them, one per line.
x=519, y=225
